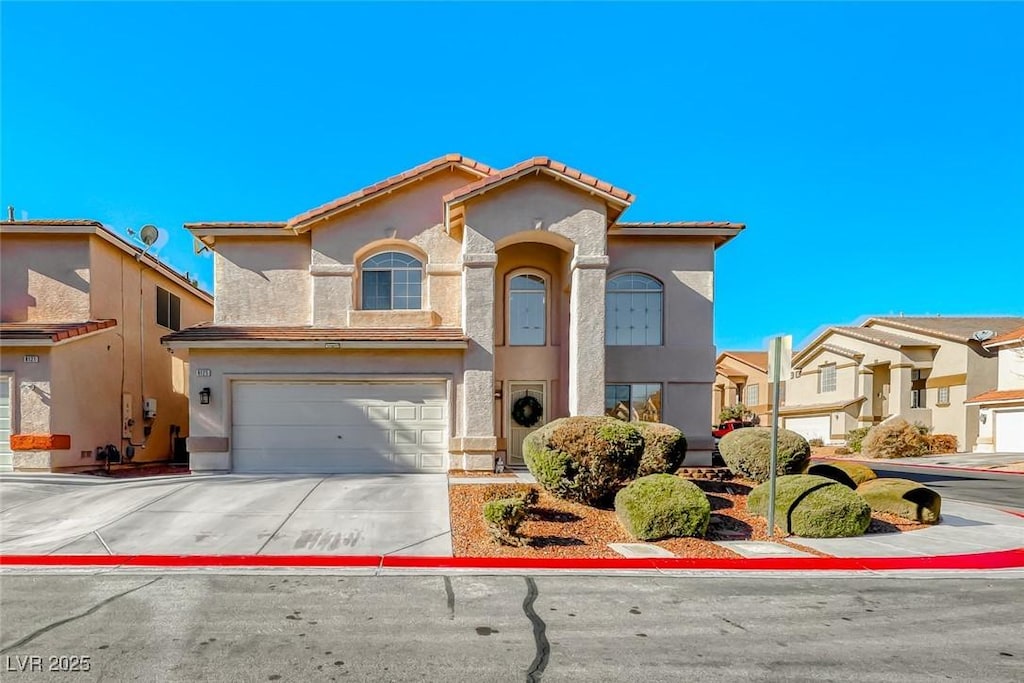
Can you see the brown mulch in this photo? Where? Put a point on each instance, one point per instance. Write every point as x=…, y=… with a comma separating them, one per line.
x=132, y=472
x=563, y=529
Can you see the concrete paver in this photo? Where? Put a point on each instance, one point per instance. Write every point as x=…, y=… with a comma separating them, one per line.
x=762, y=549
x=640, y=550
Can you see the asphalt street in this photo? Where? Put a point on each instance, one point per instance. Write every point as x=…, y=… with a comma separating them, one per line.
x=987, y=488
x=304, y=627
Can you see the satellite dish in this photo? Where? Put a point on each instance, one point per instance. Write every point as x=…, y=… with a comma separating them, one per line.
x=149, y=234
x=983, y=335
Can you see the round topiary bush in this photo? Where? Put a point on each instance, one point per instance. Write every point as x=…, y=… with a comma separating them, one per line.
x=849, y=474
x=664, y=448
x=747, y=452
x=903, y=498
x=812, y=506
x=895, y=439
x=663, y=506
x=585, y=459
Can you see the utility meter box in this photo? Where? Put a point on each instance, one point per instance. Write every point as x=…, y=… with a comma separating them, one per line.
x=149, y=408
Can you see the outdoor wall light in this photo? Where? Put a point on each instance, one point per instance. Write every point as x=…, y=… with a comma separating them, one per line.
x=204, y=396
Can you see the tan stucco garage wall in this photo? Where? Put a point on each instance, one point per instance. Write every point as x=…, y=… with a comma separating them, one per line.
x=262, y=281
x=214, y=419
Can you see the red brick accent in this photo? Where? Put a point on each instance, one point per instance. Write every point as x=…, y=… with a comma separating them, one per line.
x=40, y=442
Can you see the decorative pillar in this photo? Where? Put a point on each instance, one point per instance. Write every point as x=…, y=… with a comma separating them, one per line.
x=899, y=392
x=866, y=385
x=586, y=335
x=477, y=442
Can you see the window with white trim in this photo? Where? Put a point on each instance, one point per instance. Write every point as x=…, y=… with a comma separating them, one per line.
x=392, y=281
x=826, y=378
x=527, y=310
x=943, y=396
x=753, y=395
x=633, y=402
x=633, y=307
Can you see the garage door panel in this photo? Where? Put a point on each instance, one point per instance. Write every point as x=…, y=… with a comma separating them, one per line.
x=817, y=427
x=1009, y=431
x=295, y=427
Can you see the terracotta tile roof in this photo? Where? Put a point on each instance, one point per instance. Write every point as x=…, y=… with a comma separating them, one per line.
x=955, y=328
x=883, y=337
x=548, y=165
x=842, y=351
x=51, y=332
x=758, y=359
x=209, y=332
x=1011, y=336
x=421, y=170
x=679, y=224
x=56, y=221
x=994, y=396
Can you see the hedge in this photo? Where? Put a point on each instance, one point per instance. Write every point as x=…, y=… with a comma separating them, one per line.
x=813, y=506
x=903, y=498
x=895, y=439
x=663, y=506
x=747, y=452
x=664, y=448
x=849, y=474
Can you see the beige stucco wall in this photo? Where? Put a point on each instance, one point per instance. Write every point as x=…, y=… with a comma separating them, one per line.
x=725, y=394
x=1011, y=368
x=44, y=277
x=262, y=281
x=31, y=388
x=214, y=419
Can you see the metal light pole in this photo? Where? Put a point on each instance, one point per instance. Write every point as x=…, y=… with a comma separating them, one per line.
x=780, y=352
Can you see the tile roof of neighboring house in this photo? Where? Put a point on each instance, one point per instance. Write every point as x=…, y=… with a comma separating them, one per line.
x=883, y=337
x=1007, y=338
x=955, y=328
x=241, y=225
x=51, y=332
x=842, y=351
x=757, y=359
x=679, y=224
x=998, y=396
x=818, y=407
x=56, y=221
x=359, y=196
x=210, y=332
x=545, y=164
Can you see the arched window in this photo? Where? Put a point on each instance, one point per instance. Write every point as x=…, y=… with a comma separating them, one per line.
x=392, y=281
x=527, y=310
x=633, y=311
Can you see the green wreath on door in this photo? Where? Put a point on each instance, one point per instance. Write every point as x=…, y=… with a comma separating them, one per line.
x=527, y=411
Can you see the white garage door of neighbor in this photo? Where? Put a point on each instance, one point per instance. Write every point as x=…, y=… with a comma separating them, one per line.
x=819, y=427
x=339, y=427
x=1009, y=431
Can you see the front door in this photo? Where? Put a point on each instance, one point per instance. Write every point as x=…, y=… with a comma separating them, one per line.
x=522, y=417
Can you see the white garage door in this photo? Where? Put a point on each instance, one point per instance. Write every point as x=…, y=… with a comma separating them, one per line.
x=5, y=424
x=1009, y=431
x=339, y=427
x=818, y=427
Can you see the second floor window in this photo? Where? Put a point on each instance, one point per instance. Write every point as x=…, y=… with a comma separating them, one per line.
x=943, y=399
x=633, y=310
x=752, y=395
x=527, y=311
x=827, y=378
x=168, y=309
x=392, y=281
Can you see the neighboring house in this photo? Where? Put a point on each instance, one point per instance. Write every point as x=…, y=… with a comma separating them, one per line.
x=422, y=323
x=83, y=312
x=741, y=377
x=1001, y=411
x=922, y=369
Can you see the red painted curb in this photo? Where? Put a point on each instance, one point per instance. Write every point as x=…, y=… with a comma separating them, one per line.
x=1004, y=559
x=896, y=461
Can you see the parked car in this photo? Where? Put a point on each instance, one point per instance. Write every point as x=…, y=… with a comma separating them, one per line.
x=729, y=426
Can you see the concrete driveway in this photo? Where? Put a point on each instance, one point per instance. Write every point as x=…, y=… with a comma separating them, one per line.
x=390, y=514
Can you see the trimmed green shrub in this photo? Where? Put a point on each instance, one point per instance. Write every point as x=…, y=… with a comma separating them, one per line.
x=849, y=474
x=585, y=459
x=942, y=443
x=843, y=450
x=895, y=439
x=663, y=506
x=747, y=452
x=815, y=442
x=813, y=506
x=903, y=498
x=525, y=492
x=503, y=517
x=855, y=437
x=664, y=448
x=736, y=412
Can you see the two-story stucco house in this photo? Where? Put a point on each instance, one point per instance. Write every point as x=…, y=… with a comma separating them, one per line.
x=432, y=320
x=81, y=363
x=741, y=378
x=921, y=368
x=1001, y=410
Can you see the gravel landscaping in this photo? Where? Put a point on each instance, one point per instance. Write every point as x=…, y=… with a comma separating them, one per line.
x=563, y=529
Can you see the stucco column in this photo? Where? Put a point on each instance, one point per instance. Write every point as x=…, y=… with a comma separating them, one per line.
x=866, y=388
x=899, y=390
x=586, y=335
x=477, y=442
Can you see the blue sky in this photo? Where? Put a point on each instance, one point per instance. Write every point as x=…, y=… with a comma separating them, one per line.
x=876, y=151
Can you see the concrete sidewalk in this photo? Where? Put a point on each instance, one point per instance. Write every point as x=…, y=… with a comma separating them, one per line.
x=969, y=461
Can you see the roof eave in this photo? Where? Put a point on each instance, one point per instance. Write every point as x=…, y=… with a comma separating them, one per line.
x=310, y=344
